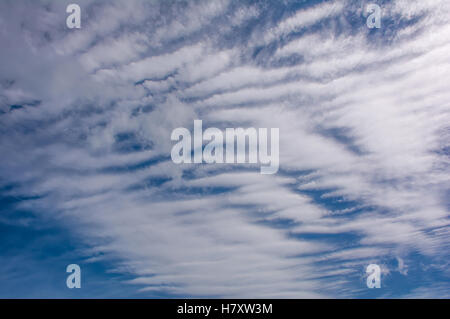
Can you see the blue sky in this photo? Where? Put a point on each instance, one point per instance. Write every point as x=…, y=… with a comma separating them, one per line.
x=86, y=175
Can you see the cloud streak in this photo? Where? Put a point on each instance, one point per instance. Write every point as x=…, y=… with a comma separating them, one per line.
x=363, y=118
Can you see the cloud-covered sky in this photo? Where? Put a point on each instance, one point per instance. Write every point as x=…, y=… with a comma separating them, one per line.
x=86, y=175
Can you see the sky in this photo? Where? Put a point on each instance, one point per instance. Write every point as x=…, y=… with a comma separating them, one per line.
x=86, y=175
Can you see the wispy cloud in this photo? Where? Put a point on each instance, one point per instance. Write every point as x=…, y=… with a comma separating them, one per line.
x=363, y=117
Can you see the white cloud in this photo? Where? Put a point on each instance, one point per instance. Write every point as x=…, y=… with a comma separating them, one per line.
x=360, y=120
